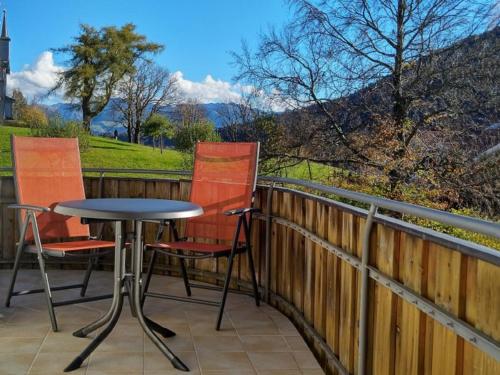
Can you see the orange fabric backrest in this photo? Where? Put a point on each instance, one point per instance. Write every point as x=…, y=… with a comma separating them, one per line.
x=224, y=178
x=48, y=171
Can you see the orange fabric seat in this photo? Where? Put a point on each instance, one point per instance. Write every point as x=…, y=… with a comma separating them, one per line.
x=223, y=184
x=77, y=245
x=192, y=246
x=48, y=171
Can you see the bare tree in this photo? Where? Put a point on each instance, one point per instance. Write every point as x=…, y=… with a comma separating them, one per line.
x=189, y=112
x=383, y=54
x=142, y=94
x=237, y=116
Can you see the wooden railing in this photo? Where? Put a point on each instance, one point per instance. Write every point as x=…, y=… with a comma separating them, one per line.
x=381, y=298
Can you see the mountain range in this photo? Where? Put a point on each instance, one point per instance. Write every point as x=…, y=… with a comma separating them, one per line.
x=106, y=122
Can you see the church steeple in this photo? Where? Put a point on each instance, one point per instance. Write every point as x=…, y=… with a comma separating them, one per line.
x=4, y=45
x=4, y=35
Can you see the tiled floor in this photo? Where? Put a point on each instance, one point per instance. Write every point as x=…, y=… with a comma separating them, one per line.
x=252, y=340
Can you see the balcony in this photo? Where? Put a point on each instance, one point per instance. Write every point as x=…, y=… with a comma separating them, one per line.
x=364, y=292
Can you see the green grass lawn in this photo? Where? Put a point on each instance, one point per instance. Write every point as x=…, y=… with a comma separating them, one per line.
x=106, y=153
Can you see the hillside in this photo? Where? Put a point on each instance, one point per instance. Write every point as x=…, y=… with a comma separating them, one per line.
x=457, y=90
x=105, y=153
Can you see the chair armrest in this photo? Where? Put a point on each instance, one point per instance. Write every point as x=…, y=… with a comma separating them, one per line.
x=241, y=211
x=29, y=207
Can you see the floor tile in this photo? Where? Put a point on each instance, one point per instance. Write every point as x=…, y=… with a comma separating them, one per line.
x=63, y=342
x=296, y=343
x=272, y=361
x=224, y=361
x=176, y=343
x=264, y=343
x=15, y=364
x=155, y=362
x=54, y=363
x=218, y=343
x=19, y=345
x=306, y=360
x=117, y=362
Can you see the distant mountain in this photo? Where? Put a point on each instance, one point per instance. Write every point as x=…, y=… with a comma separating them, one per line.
x=106, y=122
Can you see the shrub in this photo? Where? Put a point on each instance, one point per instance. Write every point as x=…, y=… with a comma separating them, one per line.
x=186, y=136
x=59, y=128
x=32, y=116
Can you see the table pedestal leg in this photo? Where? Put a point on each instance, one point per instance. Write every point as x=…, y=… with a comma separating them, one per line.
x=116, y=306
x=77, y=362
x=138, y=253
x=126, y=285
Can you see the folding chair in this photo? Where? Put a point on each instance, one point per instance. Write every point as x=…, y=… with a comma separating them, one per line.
x=48, y=171
x=224, y=180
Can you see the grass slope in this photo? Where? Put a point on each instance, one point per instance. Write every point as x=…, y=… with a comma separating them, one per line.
x=105, y=153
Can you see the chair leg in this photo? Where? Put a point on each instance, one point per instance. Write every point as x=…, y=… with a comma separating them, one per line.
x=48, y=295
x=227, y=281
x=185, y=277
x=86, y=278
x=17, y=263
x=45, y=279
x=254, y=279
x=149, y=273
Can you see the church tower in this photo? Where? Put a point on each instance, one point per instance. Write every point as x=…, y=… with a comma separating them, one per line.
x=5, y=101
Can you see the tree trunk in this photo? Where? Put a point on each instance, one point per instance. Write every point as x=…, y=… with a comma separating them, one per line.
x=161, y=144
x=137, y=132
x=129, y=132
x=87, y=120
x=399, y=108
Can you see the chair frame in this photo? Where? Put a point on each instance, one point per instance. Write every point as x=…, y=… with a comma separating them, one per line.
x=41, y=253
x=244, y=222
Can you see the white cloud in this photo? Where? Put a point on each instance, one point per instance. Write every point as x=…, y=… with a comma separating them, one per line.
x=209, y=90
x=212, y=90
x=35, y=79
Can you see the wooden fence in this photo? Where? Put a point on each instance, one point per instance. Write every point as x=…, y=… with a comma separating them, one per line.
x=433, y=305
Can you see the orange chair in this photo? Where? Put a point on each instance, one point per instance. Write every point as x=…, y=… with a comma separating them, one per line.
x=48, y=171
x=224, y=180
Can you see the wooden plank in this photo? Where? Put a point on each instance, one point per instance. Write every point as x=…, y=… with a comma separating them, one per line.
x=287, y=243
x=275, y=244
x=333, y=280
x=410, y=347
x=310, y=224
x=347, y=297
x=447, y=347
x=320, y=272
x=298, y=254
x=481, y=310
x=384, y=303
x=9, y=219
x=357, y=233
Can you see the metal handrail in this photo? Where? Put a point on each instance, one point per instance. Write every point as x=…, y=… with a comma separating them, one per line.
x=465, y=222
x=481, y=226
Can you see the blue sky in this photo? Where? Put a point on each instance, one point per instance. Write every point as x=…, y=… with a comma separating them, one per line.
x=197, y=34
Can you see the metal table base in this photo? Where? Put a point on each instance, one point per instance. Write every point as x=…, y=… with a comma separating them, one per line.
x=126, y=284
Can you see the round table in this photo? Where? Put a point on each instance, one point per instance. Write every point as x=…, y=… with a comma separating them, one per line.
x=119, y=210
